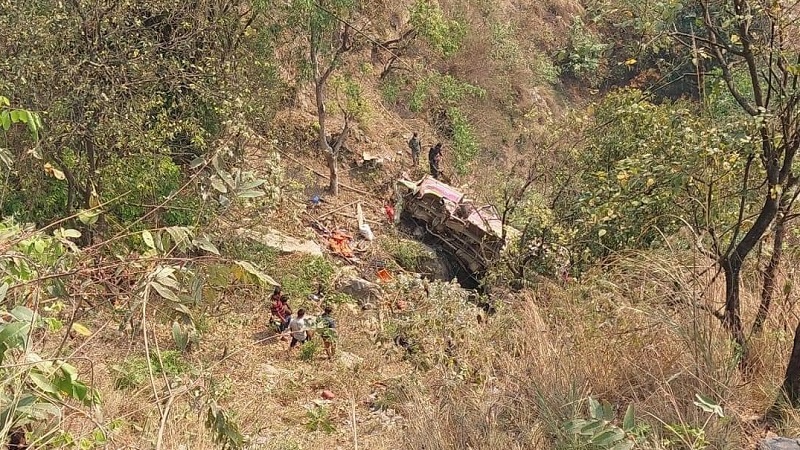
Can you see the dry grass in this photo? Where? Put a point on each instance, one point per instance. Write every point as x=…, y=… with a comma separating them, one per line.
x=614, y=338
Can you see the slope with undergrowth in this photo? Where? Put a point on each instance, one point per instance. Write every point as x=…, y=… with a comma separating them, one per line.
x=158, y=305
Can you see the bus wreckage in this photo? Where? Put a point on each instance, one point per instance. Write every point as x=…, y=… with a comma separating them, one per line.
x=472, y=234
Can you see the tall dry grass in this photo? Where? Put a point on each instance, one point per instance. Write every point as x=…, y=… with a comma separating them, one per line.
x=639, y=332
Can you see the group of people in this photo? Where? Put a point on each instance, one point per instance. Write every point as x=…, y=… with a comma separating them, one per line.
x=434, y=155
x=299, y=327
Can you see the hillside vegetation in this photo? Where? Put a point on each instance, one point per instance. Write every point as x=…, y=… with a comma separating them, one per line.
x=157, y=161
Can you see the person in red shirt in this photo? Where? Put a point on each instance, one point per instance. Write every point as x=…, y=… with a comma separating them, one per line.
x=280, y=309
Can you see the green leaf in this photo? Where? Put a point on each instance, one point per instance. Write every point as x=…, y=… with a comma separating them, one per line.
x=591, y=427
x=43, y=383
x=251, y=184
x=88, y=217
x=265, y=279
x=573, y=426
x=10, y=332
x=205, y=243
x=595, y=409
x=180, y=336
x=70, y=233
x=69, y=371
x=148, y=239
x=5, y=120
x=3, y=291
x=164, y=291
x=181, y=236
x=217, y=184
x=183, y=309
x=608, y=437
x=197, y=162
x=629, y=421
x=23, y=314
x=708, y=405
x=81, y=330
x=622, y=445
x=250, y=194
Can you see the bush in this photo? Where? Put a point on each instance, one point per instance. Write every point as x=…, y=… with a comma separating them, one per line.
x=410, y=255
x=583, y=56
x=465, y=144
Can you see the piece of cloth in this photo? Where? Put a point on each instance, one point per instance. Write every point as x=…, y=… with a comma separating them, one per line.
x=340, y=244
x=389, y=212
x=279, y=310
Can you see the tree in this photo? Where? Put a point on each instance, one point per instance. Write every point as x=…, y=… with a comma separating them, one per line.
x=751, y=44
x=131, y=91
x=330, y=37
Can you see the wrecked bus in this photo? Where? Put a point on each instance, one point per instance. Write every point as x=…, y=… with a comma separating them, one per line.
x=471, y=233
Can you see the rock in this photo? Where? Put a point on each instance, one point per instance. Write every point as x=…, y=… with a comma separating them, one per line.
x=279, y=241
x=361, y=290
x=779, y=443
x=327, y=395
x=349, y=360
x=270, y=370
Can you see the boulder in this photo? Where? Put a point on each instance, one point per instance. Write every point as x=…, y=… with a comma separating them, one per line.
x=779, y=443
x=281, y=242
x=365, y=292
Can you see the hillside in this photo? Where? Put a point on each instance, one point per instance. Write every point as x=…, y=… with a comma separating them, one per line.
x=165, y=167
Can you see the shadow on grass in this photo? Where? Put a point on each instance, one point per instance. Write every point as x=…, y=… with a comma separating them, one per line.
x=265, y=337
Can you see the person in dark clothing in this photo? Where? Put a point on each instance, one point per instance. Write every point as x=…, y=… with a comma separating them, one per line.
x=434, y=160
x=328, y=332
x=416, y=147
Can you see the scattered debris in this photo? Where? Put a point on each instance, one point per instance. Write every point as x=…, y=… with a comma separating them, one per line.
x=363, y=226
x=339, y=242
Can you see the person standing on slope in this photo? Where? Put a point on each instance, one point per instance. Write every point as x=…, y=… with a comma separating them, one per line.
x=434, y=160
x=328, y=332
x=416, y=147
x=297, y=327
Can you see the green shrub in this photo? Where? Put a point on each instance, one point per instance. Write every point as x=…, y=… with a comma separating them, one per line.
x=410, y=255
x=300, y=278
x=319, y=420
x=583, y=55
x=442, y=34
x=308, y=350
x=133, y=371
x=465, y=144
x=390, y=89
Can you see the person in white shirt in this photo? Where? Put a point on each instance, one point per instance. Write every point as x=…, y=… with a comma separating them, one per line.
x=297, y=327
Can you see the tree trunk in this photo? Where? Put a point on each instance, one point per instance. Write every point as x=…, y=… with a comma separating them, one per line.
x=732, y=318
x=791, y=381
x=732, y=266
x=322, y=140
x=770, y=273
x=333, y=172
